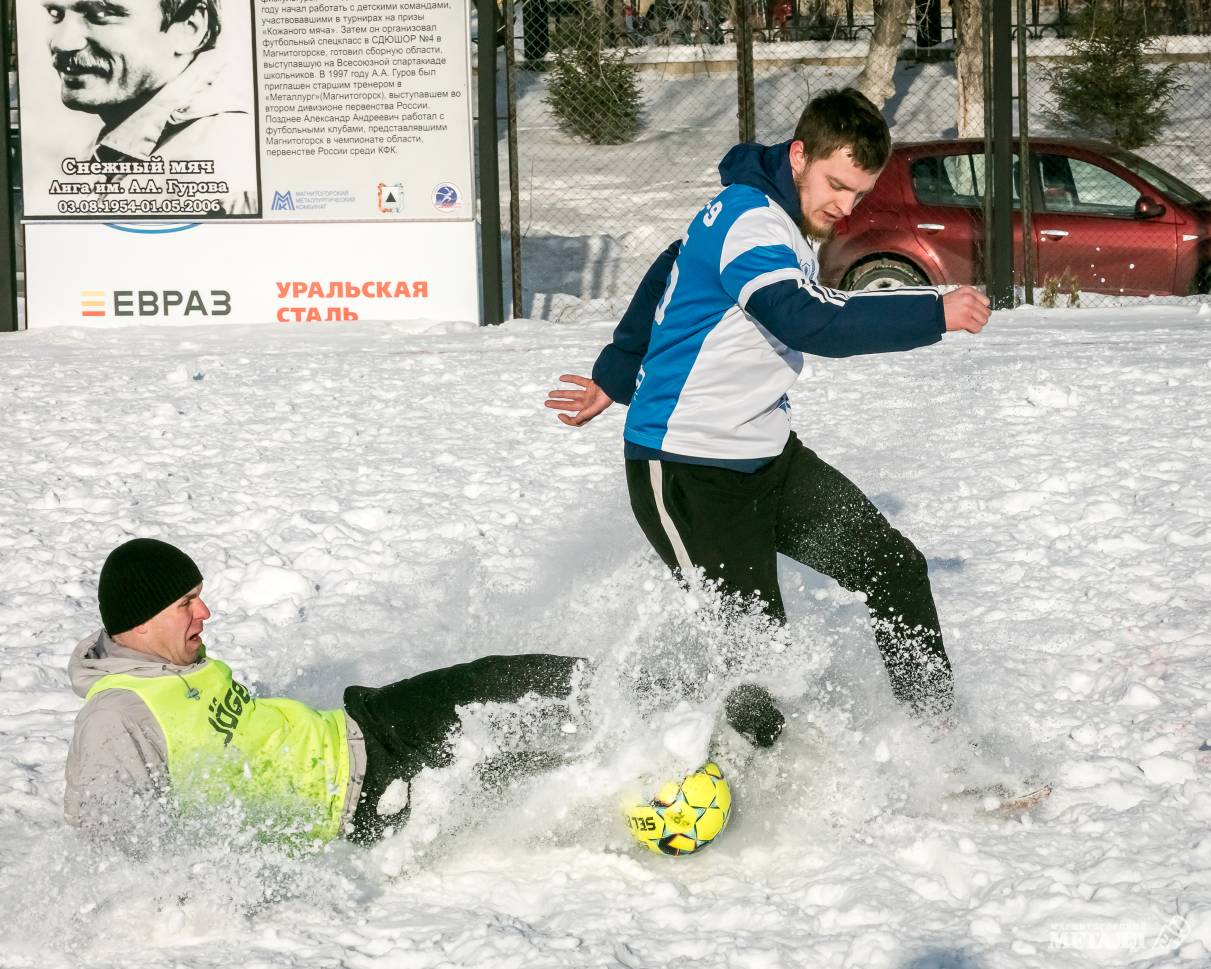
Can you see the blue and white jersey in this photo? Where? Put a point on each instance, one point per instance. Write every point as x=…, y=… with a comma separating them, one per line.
x=715, y=336
x=713, y=383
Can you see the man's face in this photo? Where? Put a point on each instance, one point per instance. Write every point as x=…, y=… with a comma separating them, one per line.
x=175, y=632
x=110, y=52
x=829, y=188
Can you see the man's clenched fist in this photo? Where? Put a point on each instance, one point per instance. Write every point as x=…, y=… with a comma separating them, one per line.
x=965, y=308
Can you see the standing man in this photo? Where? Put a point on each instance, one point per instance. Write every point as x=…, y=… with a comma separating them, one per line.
x=705, y=354
x=149, y=71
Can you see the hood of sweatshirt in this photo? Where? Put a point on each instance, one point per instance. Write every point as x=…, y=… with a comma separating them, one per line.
x=766, y=168
x=97, y=655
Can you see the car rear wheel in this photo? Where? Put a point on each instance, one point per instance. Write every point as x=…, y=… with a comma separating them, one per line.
x=883, y=274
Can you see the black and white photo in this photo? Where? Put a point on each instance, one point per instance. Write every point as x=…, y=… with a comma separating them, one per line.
x=152, y=106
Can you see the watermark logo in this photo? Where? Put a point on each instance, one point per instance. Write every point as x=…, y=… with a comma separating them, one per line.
x=1120, y=936
x=390, y=197
x=446, y=197
x=1173, y=934
x=282, y=201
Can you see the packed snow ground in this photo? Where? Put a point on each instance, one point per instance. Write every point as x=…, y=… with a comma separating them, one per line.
x=370, y=501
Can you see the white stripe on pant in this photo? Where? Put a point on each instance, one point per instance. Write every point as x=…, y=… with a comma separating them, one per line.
x=683, y=557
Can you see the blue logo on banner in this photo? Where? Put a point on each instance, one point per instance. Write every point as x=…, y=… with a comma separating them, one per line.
x=283, y=201
x=445, y=197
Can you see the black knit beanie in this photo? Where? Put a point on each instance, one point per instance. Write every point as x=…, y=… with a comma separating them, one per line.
x=139, y=579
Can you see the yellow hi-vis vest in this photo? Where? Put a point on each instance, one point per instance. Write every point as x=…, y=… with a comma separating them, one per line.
x=286, y=764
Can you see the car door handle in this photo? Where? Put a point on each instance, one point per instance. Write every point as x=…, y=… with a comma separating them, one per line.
x=1054, y=233
x=931, y=226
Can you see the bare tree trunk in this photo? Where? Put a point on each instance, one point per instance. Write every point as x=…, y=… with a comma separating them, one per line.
x=875, y=81
x=612, y=11
x=969, y=66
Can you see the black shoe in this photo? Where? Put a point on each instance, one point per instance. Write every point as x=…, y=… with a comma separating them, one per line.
x=752, y=713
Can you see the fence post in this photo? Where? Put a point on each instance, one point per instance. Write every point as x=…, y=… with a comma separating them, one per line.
x=514, y=186
x=8, y=227
x=489, y=166
x=1000, y=280
x=986, y=51
x=746, y=111
x=1026, y=181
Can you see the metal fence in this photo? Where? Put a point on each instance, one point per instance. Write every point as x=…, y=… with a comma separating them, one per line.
x=592, y=216
x=1123, y=219
x=589, y=216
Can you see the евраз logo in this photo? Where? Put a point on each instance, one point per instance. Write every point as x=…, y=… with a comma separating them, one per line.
x=92, y=302
x=170, y=303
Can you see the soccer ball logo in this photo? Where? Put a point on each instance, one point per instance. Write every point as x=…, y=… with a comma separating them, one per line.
x=685, y=816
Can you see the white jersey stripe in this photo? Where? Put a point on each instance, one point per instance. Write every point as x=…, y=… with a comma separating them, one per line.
x=683, y=557
x=765, y=279
x=823, y=295
x=758, y=226
x=897, y=291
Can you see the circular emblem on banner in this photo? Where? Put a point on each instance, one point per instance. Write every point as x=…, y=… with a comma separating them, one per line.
x=446, y=197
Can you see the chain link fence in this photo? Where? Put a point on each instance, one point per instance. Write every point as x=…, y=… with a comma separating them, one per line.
x=1123, y=216
x=597, y=202
x=595, y=206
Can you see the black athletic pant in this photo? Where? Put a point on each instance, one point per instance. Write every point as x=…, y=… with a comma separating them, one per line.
x=732, y=524
x=407, y=725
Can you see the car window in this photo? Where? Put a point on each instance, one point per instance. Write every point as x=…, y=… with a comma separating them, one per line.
x=1159, y=177
x=1073, y=185
x=953, y=180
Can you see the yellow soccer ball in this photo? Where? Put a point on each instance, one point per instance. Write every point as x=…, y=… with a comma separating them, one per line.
x=685, y=816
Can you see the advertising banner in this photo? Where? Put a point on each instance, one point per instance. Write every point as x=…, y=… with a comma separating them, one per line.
x=295, y=273
x=159, y=118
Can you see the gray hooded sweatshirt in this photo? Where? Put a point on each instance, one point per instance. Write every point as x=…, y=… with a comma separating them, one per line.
x=118, y=748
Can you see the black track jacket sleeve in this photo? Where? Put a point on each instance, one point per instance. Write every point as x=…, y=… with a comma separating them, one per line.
x=618, y=364
x=829, y=323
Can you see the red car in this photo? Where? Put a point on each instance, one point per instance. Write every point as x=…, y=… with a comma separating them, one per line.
x=1115, y=222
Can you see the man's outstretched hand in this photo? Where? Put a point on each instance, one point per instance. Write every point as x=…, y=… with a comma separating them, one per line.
x=585, y=403
x=965, y=308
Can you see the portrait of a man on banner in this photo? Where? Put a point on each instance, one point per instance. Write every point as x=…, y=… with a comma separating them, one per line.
x=169, y=122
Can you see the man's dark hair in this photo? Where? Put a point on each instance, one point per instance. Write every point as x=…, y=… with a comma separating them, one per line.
x=844, y=119
x=175, y=11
